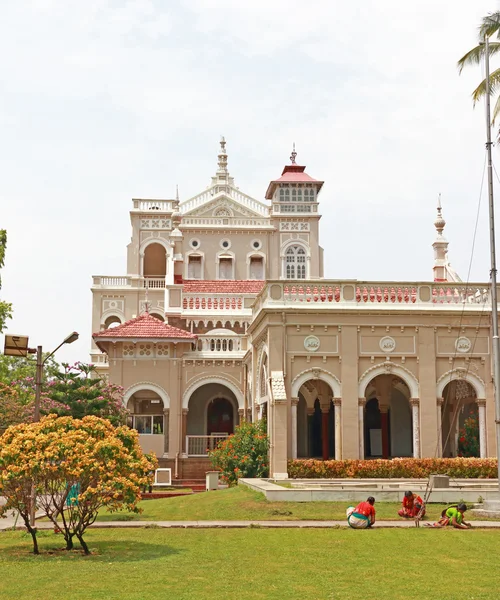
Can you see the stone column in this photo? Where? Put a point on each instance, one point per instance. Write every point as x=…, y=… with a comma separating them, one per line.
x=415, y=417
x=325, y=413
x=184, y=432
x=241, y=414
x=337, y=403
x=361, y=427
x=439, y=408
x=141, y=264
x=384, y=422
x=166, y=424
x=310, y=421
x=294, y=403
x=481, y=407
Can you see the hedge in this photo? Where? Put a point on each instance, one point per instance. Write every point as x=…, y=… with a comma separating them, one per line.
x=463, y=468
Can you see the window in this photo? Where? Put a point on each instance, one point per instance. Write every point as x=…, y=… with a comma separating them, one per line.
x=148, y=424
x=256, y=267
x=263, y=382
x=225, y=268
x=295, y=263
x=194, y=267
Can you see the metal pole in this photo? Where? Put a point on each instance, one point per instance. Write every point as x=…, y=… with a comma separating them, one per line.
x=36, y=417
x=38, y=382
x=494, y=300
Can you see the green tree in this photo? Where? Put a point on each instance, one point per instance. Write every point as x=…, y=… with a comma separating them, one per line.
x=243, y=454
x=489, y=27
x=79, y=391
x=18, y=368
x=5, y=307
x=76, y=467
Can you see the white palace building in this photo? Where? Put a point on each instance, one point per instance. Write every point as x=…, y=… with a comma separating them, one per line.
x=224, y=314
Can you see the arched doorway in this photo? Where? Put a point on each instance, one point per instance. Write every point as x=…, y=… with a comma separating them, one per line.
x=155, y=261
x=387, y=418
x=220, y=417
x=212, y=415
x=460, y=420
x=315, y=420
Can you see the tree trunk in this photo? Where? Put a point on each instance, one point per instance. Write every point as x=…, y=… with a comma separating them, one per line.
x=31, y=530
x=83, y=544
x=69, y=542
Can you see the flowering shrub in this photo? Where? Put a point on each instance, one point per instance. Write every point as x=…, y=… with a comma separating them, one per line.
x=243, y=454
x=468, y=437
x=76, y=467
x=468, y=468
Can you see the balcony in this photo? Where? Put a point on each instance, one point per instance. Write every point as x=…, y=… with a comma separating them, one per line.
x=136, y=283
x=220, y=345
x=153, y=206
x=360, y=295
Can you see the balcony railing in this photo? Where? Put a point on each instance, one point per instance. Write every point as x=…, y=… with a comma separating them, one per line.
x=108, y=281
x=370, y=295
x=212, y=303
x=199, y=445
x=212, y=194
x=152, y=205
x=220, y=344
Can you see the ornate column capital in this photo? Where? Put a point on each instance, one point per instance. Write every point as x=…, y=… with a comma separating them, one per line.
x=241, y=411
x=185, y=411
x=166, y=411
x=337, y=401
x=481, y=401
x=414, y=401
x=362, y=402
x=440, y=401
x=310, y=411
x=383, y=408
x=294, y=401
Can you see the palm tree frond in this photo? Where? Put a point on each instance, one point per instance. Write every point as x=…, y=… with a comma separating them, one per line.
x=474, y=56
x=496, y=111
x=480, y=91
x=490, y=26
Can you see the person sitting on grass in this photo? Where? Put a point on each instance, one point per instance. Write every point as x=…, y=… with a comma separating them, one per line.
x=454, y=516
x=413, y=506
x=363, y=516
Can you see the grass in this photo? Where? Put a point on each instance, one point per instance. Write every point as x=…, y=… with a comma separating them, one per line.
x=267, y=564
x=242, y=504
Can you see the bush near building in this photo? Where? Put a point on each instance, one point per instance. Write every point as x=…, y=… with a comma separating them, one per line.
x=463, y=468
x=243, y=454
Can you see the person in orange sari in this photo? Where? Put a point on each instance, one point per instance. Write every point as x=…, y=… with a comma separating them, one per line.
x=413, y=506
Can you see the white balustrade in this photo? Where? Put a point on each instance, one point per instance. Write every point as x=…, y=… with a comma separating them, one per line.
x=232, y=192
x=199, y=445
x=217, y=343
x=206, y=302
x=153, y=205
x=109, y=281
x=154, y=282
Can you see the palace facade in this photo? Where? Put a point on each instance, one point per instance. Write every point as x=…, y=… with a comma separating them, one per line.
x=224, y=314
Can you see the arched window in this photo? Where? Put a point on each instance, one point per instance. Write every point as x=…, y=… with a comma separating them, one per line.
x=295, y=262
x=263, y=382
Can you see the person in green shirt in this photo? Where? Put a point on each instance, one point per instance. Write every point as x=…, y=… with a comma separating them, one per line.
x=454, y=516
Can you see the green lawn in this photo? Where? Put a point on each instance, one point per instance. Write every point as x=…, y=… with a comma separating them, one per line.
x=242, y=504
x=267, y=564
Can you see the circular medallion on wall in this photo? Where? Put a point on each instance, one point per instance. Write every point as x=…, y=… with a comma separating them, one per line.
x=194, y=243
x=311, y=343
x=387, y=344
x=463, y=345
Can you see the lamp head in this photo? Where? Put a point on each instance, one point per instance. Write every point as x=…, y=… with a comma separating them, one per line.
x=72, y=337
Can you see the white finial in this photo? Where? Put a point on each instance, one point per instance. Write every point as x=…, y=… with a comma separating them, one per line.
x=146, y=303
x=293, y=156
x=222, y=156
x=177, y=192
x=439, y=223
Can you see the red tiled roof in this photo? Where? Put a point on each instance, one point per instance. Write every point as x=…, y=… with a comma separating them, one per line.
x=144, y=326
x=197, y=286
x=292, y=174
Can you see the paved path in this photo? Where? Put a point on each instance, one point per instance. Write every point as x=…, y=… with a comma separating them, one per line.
x=8, y=524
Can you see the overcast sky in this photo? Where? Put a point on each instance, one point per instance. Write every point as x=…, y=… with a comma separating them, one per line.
x=103, y=101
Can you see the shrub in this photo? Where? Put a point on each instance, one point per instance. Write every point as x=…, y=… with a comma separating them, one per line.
x=464, y=468
x=243, y=454
x=468, y=437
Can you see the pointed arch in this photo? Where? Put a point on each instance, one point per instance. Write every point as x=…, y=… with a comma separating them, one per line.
x=389, y=368
x=321, y=374
x=476, y=382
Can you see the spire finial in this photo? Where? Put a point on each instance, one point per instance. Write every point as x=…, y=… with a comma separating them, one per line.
x=177, y=193
x=222, y=156
x=146, y=303
x=439, y=223
x=293, y=155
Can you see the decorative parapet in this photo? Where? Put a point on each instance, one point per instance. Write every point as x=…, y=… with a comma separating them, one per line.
x=370, y=295
x=112, y=281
